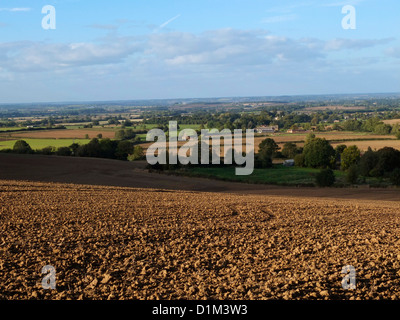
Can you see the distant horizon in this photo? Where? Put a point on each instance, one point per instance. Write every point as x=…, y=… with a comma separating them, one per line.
x=203, y=98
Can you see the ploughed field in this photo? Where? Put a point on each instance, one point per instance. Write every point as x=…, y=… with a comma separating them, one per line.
x=126, y=243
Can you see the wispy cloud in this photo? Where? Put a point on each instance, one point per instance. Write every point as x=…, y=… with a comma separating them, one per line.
x=354, y=44
x=222, y=47
x=25, y=56
x=16, y=9
x=168, y=22
x=393, y=52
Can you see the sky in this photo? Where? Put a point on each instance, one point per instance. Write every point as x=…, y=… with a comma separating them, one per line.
x=158, y=49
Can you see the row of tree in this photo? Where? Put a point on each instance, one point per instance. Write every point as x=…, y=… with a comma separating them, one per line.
x=96, y=148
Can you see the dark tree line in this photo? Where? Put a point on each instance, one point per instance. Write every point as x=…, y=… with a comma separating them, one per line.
x=96, y=148
x=318, y=153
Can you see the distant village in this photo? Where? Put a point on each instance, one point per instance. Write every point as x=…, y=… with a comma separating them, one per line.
x=273, y=129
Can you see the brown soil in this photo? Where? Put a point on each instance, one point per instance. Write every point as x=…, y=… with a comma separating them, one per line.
x=125, y=243
x=392, y=122
x=375, y=145
x=352, y=139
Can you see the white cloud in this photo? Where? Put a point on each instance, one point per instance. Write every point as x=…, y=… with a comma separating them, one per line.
x=393, y=52
x=223, y=48
x=213, y=61
x=27, y=56
x=229, y=47
x=354, y=44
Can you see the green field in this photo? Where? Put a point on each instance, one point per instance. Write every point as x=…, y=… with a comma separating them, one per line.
x=42, y=143
x=142, y=136
x=278, y=175
x=10, y=128
x=5, y=129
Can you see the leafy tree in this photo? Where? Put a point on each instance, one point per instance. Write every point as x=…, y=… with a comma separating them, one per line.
x=124, y=149
x=389, y=159
x=395, y=177
x=92, y=149
x=382, y=128
x=338, y=152
x=340, y=148
x=310, y=137
x=318, y=153
x=352, y=125
x=396, y=131
x=325, y=178
x=368, y=162
x=370, y=124
x=350, y=156
x=129, y=134
x=352, y=174
x=380, y=162
x=125, y=134
x=73, y=147
x=337, y=127
x=128, y=123
x=263, y=159
x=268, y=147
x=113, y=121
x=289, y=150
x=63, y=151
x=299, y=160
x=267, y=150
x=108, y=148
x=47, y=151
x=21, y=146
x=100, y=136
x=315, y=120
x=138, y=154
x=120, y=134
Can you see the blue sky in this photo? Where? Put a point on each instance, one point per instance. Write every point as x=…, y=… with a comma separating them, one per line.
x=149, y=49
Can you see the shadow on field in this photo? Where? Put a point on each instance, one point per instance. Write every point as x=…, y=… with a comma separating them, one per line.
x=94, y=171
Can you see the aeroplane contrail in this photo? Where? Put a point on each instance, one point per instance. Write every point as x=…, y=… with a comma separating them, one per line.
x=169, y=21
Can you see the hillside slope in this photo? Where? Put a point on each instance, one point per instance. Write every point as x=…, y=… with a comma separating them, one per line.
x=93, y=171
x=124, y=243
